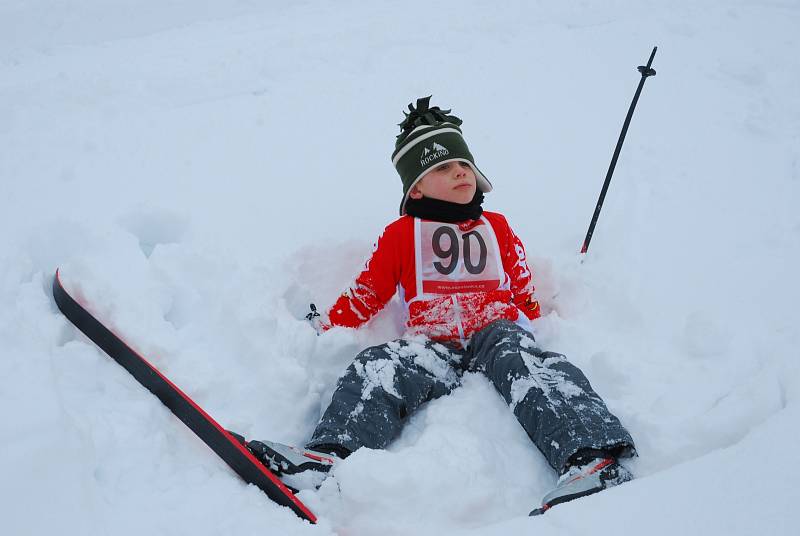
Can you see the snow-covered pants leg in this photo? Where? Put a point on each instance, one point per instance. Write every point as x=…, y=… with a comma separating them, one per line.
x=550, y=396
x=384, y=385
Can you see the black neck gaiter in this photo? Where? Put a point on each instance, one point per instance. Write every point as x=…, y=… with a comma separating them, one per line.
x=445, y=211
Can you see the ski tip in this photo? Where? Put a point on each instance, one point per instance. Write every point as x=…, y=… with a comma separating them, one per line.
x=57, y=287
x=57, y=283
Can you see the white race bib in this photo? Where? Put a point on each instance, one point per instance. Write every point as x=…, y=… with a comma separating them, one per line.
x=453, y=259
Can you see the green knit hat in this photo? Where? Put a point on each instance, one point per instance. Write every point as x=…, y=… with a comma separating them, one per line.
x=430, y=137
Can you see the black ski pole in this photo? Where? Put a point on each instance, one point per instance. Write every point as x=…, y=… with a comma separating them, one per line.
x=646, y=71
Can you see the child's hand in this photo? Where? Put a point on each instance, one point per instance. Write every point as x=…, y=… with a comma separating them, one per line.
x=314, y=319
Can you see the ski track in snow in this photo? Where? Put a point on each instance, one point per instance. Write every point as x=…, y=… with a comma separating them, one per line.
x=201, y=174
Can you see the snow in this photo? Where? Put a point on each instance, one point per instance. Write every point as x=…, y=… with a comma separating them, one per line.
x=200, y=172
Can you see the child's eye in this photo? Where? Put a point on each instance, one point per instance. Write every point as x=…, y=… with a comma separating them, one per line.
x=443, y=167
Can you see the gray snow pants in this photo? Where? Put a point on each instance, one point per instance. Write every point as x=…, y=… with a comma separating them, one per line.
x=550, y=396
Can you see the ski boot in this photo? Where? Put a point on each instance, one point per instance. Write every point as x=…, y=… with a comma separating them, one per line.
x=299, y=468
x=584, y=479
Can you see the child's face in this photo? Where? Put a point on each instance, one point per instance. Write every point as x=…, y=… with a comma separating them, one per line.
x=452, y=181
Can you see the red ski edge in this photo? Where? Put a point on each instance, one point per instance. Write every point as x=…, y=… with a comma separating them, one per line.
x=183, y=407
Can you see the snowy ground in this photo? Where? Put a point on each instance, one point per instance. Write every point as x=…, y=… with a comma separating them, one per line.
x=201, y=172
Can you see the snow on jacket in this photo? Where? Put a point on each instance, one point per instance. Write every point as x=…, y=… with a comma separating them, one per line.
x=454, y=278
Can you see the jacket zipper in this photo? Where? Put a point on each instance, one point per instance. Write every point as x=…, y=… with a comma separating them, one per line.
x=459, y=325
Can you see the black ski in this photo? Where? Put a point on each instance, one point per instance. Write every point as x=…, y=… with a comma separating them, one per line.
x=207, y=429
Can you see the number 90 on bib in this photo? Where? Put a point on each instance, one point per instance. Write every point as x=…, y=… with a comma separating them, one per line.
x=453, y=260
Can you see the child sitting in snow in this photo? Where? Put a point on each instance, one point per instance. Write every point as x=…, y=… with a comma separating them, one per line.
x=462, y=274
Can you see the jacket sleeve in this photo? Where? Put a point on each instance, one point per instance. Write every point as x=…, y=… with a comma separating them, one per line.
x=371, y=290
x=516, y=265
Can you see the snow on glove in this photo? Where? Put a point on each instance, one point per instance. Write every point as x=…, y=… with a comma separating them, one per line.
x=315, y=319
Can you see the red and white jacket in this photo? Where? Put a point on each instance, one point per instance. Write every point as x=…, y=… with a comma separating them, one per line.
x=454, y=278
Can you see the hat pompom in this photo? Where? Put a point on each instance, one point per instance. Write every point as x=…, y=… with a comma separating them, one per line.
x=423, y=114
